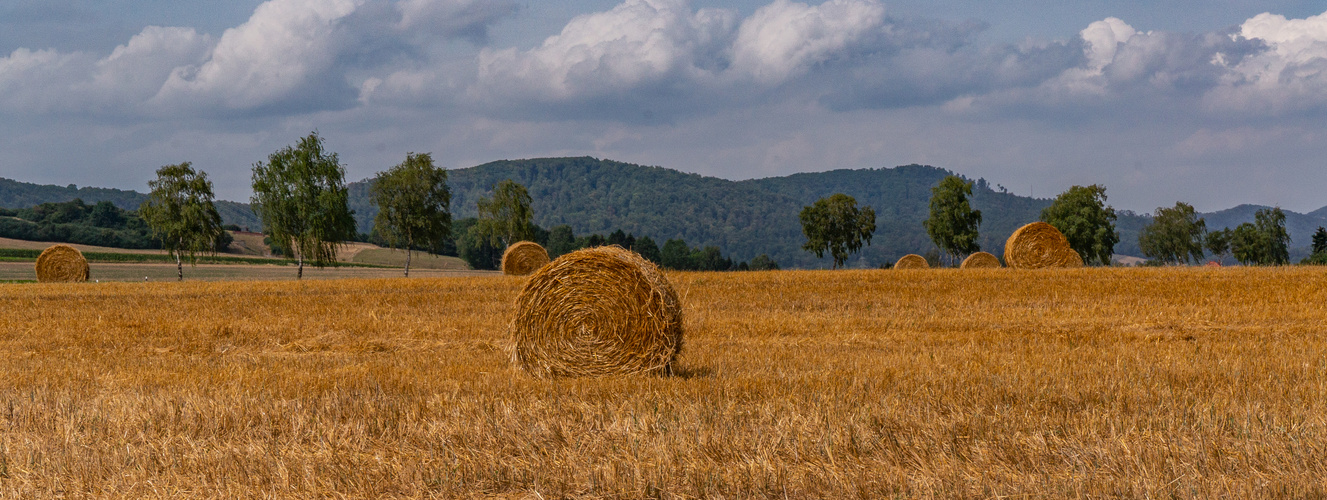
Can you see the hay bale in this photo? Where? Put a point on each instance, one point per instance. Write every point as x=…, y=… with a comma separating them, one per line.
x=912, y=261
x=1039, y=245
x=980, y=260
x=523, y=258
x=598, y=311
x=62, y=263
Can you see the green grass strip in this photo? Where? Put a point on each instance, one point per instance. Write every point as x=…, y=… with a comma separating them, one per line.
x=30, y=255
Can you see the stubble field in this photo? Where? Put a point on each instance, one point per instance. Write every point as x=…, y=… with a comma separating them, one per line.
x=939, y=383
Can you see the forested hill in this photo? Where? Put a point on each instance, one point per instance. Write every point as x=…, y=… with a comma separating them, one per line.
x=16, y=194
x=744, y=218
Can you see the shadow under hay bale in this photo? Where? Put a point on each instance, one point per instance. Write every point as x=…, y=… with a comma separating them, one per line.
x=62, y=263
x=1039, y=245
x=598, y=311
x=980, y=260
x=523, y=258
x=912, y=261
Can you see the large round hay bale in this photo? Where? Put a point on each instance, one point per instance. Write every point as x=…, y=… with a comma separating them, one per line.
x=598, y=311
x=1038, y=245
x=912, y=261
x=62, y=263
x=980, y=260
x=523, y=258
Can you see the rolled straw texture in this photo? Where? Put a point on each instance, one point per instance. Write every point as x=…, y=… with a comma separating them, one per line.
x=523, y=258
x=912, y=261
x=1039, y=245
x=980, y=260
x=598, y=311
x=62, y=263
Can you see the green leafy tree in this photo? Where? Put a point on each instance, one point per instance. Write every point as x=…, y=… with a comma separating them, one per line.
x=562, y=241
x=506, y=217
x=836, y=225
x=1246, y=244
x=180, y=212
x=1319, y=255
x=475, y=249
x=1175, y=236
x=1218, y=244
x=648, y=249
x=677, y=255
x=762, y=262
x=300, y=196
x=1087, y=222
x=953, y=223
x=1271, y=223
x=414, y=205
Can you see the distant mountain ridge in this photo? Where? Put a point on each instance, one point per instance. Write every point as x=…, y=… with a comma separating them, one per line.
x=743, y=218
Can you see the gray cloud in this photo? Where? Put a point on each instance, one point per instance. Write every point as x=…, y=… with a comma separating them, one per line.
x=789, y=87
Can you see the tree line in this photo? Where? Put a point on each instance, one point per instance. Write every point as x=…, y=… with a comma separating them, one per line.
x=300, y=197
x=1176, y=235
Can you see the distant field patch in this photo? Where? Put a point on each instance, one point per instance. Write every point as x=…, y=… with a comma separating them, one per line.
x=418, y=260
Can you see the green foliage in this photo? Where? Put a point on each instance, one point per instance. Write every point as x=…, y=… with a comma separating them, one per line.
x=1265, y=241
x=17, y=194
x=506, y=217
x=414, y=205
x=561, y=241
x=762, y=262
x=102, y=224
x=1175, y=236
x=300, y=196
x=676, y=254
x=648, y=249
x=835, y=224
x=1319, y=248
x=1087, y=222
x=180, y=212
x=475, y=248
x=1218, y=243
x=953, y=223
x=744, y=218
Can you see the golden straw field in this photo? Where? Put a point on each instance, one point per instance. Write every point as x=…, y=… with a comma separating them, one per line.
x=930, y=383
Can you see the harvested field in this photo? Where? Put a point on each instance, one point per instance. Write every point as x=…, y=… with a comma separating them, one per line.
x=1190, y=382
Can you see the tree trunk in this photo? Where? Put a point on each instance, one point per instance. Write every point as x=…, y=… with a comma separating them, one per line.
x=179, y=263
x=299, y=275
x=407, y=261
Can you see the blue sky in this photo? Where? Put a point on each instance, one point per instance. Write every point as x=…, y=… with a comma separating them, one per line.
x=1215, y=103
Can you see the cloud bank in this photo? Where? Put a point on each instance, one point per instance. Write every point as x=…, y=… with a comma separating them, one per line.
x=791, y=87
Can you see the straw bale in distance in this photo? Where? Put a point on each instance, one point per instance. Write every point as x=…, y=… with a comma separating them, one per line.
x=980, y=260
x=912, y=261
x=62, y=263
x=523, y=258
x=1039, y=245
x=598, y=311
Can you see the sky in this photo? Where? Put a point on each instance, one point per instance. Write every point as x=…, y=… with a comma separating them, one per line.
x=1215, y=103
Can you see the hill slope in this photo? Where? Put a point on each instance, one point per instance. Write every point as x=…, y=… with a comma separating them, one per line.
x=744, y=218
x=16, y=194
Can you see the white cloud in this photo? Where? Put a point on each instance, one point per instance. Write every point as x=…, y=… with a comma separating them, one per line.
x=277, y=54
x=1290, y=76
x=137, y=69
x=49, y=81
x=638, y=43
x=783, y=39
